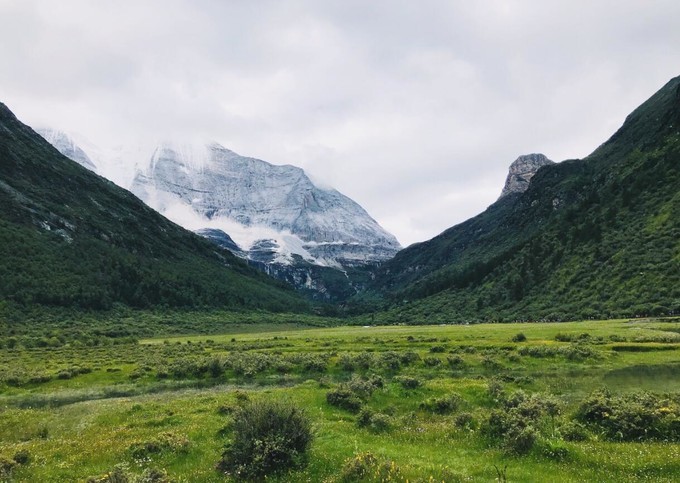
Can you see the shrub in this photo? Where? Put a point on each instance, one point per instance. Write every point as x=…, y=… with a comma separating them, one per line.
x=390, y=360
x=269, y=437
x=367, y=467
x=6, y=467
x=344, y=398
x=119, y=474
x=351, y=394
x=574, y=431
x=495, y=389
x=579, y=352
x=490, y=363
x=437, y=349
x=514, y=426
x=632, y=417
x=408, y=357
x=442, y=405
x=164, y=443
x=455, y=361
x=22, y=457
x=362, y=387
x=376, y=422
x=408, y=382
x=154, y=475
x=520, y=337
x=465, y=420
x=432, y=361
x=520, y=440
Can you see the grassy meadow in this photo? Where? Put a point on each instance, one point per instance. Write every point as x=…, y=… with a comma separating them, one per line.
x=573, y=401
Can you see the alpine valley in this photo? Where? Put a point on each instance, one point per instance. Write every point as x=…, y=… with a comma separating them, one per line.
x=135, y=350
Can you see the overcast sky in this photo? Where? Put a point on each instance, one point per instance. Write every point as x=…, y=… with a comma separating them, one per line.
x=414, y=109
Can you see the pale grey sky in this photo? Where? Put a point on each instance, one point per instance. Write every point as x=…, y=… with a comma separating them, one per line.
x=414, y=109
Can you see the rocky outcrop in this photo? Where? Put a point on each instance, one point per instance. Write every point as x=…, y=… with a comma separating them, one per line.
x=521, y=172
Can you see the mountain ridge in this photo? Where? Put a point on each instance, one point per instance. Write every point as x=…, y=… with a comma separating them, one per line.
x=576, y=243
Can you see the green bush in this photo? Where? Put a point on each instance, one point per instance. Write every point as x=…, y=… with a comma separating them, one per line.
x=520, y=337
x=376, y=422
x=515, y=426
x=366, y=467
x=164, y=443
x=455, y=361
x=574, y=431
x=351, y=394
x=345, y=399
x=432, y=361
x=269, y=437
x=6, y=467
x=442, y=405
x=632, y=417
x=408, y=382
x=22, y=457
x=465, y=421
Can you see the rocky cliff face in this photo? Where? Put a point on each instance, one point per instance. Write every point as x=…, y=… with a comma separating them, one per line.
x=521, y=172
x=264, y=208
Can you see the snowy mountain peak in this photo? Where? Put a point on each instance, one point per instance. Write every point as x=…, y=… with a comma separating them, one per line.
x=67, y=145
x=252, y=201
x=275, y=214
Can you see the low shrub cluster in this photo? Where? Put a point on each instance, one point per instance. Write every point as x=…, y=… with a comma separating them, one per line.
x=517, y=424
x=632, y=417
x=442, y=405
x=122, y=474
x=572, y=352
x=164, y=443
x=374, y=421
x=352, y=394
x=367, y=467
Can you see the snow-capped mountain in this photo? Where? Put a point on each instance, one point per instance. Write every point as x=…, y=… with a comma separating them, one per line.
x=273, y=216
x=259, y=204
x=67, y=146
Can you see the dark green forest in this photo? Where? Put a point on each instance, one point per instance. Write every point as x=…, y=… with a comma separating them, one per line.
x=69, y=238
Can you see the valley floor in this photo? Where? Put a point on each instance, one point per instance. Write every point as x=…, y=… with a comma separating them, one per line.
x=515, y=402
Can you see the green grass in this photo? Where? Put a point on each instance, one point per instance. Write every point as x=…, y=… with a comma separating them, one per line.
x=85, y=425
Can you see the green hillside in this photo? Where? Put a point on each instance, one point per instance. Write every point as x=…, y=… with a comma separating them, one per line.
x=72, y=239
x=597, y=237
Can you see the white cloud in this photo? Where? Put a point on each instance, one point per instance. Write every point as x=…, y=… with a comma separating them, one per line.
x=414, y=109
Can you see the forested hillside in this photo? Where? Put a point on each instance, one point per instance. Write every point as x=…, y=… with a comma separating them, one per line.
x=597, y=237
x=70, y=238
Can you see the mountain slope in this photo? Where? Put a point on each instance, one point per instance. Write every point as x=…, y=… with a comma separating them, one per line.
x=596, y=237
x=71, y=238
